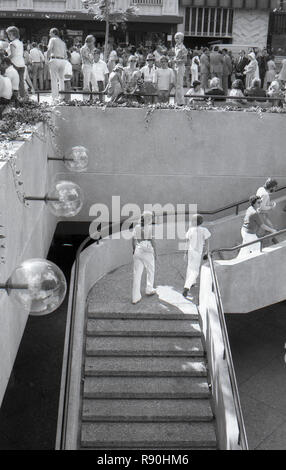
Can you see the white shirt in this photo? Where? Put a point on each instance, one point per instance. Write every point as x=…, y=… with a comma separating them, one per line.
x=149, y=75
x=12, y=73
x=75, y=58
x=36, y=55
x=16, y=53
x=165, y=78
x=99, y=70
x=5, y=87
x=266, y=204
x=196, y=237
x=142, y=236
x=56, y=48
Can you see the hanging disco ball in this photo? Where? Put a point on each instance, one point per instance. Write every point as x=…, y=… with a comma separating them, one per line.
x=65, y=199
x=77, y=159
x=39, y=285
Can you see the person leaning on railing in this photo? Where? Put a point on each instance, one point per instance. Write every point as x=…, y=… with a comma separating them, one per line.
x=255, y=90
x=252, y=223
x=215, y=89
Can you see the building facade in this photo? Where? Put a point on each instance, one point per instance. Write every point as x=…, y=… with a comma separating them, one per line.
x=155, y=20
x=241, y=22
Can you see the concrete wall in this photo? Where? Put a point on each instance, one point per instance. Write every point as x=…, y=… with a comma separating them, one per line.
x=28, y=232
x=209, y=158
x=255, y=282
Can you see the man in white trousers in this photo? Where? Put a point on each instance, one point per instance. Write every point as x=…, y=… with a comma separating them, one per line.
x=144, y=253
x=196, y=237
x=56, y=55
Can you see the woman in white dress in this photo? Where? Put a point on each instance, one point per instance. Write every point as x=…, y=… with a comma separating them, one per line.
x=251, y=70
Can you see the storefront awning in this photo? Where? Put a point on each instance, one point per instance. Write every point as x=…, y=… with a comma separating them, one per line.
x=157, y=19
x=245, y=4
x=87, y=17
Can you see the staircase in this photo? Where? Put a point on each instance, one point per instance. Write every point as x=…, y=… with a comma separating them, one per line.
x=145, y=383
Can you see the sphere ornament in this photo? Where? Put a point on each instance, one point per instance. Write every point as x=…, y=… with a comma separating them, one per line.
x=77, y=159
x=39, y=285
x=65, y=199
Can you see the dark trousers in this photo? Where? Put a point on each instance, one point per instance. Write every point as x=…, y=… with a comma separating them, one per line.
x=100, y=85
x=21, y=71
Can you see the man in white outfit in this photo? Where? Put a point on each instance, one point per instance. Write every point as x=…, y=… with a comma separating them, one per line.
x=196, y=237
x=56, y=55
x=87, y=59
x=144, y=253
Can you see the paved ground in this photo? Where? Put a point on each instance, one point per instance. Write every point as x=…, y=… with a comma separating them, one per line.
x=28, y=415
x=116, y=287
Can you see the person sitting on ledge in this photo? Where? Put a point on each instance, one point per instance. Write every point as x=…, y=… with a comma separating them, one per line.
x=237, y=92
x=274, y=91
x=255, y=90
x=195, y=90
x=215, y=89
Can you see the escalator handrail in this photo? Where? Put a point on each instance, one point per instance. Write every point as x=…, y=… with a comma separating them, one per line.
x=242, y=437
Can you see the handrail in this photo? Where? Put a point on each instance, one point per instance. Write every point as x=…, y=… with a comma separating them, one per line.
x=242, y=438
x=67, y=376
x=223, y=99
x=221, y=209
x=238, y=247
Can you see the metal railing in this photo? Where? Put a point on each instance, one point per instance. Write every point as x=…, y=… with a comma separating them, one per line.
x=218, y=99
x=242, y=440
x=261, y=239
x=67, y=376
x=235, y=205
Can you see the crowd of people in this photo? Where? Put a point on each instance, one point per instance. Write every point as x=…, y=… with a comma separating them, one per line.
x=146, y=74
x=256, y=223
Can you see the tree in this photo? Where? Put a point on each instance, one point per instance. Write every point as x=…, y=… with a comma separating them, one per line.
x=104, y=11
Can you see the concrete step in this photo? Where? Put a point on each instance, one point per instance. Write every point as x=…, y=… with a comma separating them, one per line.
x=145, y=387
x=145, y=366
x=134, y=435
x=143, y=346
x=146, y=410
x=132, y=327
x=144, y=316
